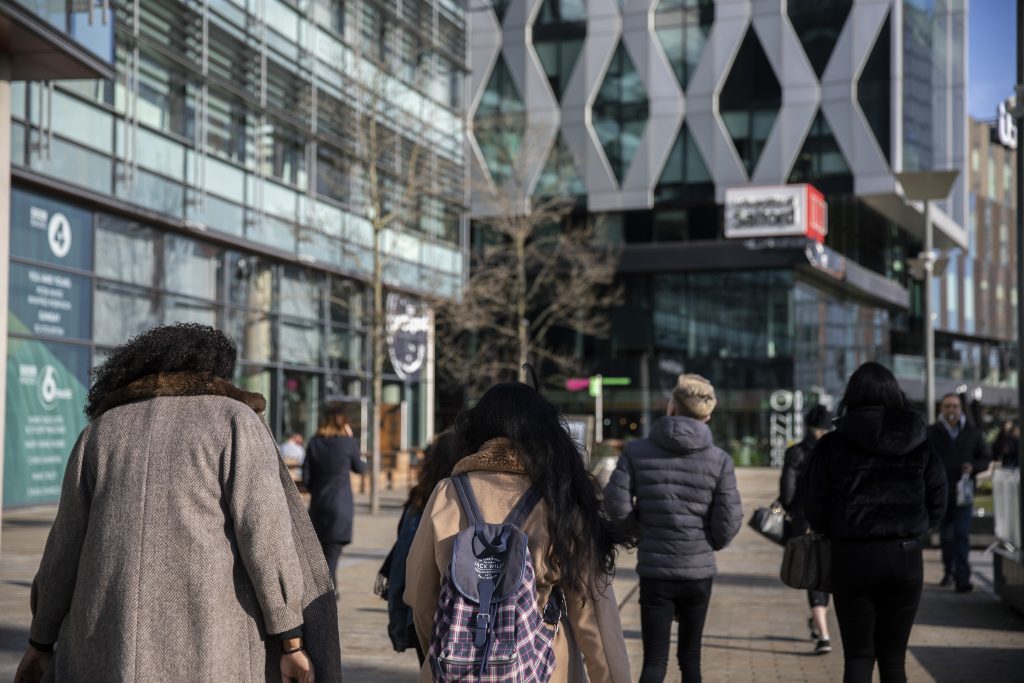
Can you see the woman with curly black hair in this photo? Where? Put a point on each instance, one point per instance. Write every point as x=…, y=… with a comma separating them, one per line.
x=181, y=549
x=518, y=440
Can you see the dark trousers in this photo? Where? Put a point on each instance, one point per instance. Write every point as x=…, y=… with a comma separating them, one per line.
x=660, y=603
x=332, y=552
x=876, y=586
x=817, y=599
x=955, y=532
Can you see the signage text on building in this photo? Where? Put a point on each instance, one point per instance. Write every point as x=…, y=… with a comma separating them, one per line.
x=784, y=210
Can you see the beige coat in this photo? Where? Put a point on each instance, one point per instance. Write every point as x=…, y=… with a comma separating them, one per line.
x=179, y=544
x=498, y=481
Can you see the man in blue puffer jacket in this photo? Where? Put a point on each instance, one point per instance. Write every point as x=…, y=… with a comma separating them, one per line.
x=681, y=489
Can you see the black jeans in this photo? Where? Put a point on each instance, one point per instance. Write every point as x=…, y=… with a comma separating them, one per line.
x=661, y=602
x=955, y=533
x=876, y=586
x=332, y=552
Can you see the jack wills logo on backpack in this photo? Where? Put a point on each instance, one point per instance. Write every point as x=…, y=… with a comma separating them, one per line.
x=489, y=568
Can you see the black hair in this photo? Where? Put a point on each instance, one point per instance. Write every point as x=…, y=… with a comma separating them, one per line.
x=951, y=394
x=818, y=417
x=438, y=461
x=583, y=539
x=873, y=385
x=168, y=348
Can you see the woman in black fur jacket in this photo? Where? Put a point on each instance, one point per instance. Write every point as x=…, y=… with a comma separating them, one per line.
x=874, y=486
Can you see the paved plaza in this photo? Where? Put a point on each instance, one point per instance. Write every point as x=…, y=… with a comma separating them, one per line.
x=756, y=629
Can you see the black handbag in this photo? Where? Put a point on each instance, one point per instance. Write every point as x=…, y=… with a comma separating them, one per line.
x=807, y=563
x=770, y=522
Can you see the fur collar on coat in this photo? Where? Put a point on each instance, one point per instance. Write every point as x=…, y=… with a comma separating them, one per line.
x=185, y=383
x=495, y=455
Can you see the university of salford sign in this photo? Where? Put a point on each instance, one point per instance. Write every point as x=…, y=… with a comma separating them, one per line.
x=782, y=211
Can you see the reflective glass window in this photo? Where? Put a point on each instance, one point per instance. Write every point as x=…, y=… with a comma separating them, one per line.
x=750, y=100
x=683, y=27
x=500, y=123
x=301, y=292
x=166, y=99
x=345, y=349
x=125, y=251
x=250, y=281
x=191, y=267
x=121, y=312
x=300, y=343
x=620, y=112
x=253, y=333
x=874, y=89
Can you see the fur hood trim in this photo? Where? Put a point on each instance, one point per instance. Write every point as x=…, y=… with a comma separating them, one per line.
x=496, y=455
x=178, y=384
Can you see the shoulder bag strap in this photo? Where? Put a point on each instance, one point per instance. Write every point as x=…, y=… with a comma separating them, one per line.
x=467, y=500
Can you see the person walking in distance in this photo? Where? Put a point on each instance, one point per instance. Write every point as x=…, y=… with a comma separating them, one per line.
x=519, y=445
x=817, y=423
x=181, y=550
x=681, y=490
x=962, y=449
x=873, y=486
x=438, y=461
x=332, y=454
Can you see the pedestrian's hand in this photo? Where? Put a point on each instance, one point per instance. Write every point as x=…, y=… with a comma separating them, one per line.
x=33, y=665
x=968, y=468
x=297, y=667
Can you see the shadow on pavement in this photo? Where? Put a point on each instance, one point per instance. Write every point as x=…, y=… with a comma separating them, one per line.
x=950, y=664
x=943, y=607
x=358, y=673
x=778, y=639
x=716, y=646
x=748, y=581
x=13, y=639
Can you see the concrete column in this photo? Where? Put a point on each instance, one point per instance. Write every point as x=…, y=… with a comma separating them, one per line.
x=5, y=233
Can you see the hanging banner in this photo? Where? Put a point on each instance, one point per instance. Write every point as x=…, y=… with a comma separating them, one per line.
x=49, y=303
x=49, y=230
x=47, y=385
x=406, y=321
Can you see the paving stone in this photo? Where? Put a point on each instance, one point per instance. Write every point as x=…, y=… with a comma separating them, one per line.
x=756, y=629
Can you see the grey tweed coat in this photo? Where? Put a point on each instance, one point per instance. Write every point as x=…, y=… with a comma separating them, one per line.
x=179, y=544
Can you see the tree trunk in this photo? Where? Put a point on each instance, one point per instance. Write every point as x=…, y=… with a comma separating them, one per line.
x=521, y=294
x=377, y=351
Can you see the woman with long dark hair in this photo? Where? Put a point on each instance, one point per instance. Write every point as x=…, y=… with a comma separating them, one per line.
x=873, y=486
x=518, y=441
x=332, y=454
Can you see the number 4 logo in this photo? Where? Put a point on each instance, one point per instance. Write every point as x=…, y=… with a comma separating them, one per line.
x=58, y=234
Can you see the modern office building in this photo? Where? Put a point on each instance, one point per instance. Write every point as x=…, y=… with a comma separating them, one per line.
x=661, y=116
x=978, y=313
x=217, y=174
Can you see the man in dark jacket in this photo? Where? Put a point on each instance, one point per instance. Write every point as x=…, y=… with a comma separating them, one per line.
x=681, y=490
x=962, y=450
x=817, y=423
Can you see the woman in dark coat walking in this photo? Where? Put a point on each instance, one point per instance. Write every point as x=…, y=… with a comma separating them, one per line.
x=817, y=423
x=873, y=486
x=332, y=454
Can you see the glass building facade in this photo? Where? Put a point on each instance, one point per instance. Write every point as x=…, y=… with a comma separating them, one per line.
x=221, y=178
x=671, y=105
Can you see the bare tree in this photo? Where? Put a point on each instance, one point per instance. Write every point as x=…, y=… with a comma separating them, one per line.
x=385, y=174
x=533, y=269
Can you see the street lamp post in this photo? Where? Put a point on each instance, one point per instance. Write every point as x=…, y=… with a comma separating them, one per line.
x=928, y=186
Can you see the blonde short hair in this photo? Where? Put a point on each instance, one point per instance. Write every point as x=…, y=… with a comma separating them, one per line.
x=694, y=397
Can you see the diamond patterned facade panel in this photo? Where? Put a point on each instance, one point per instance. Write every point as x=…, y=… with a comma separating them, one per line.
x=758, y=92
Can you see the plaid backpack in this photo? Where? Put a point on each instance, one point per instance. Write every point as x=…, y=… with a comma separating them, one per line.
x=487, y=628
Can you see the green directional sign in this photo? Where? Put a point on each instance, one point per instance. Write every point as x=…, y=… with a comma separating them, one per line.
x=598, y=382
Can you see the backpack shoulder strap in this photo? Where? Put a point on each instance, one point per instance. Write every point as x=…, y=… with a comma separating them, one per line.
x=467, y=500
x=517, y=516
